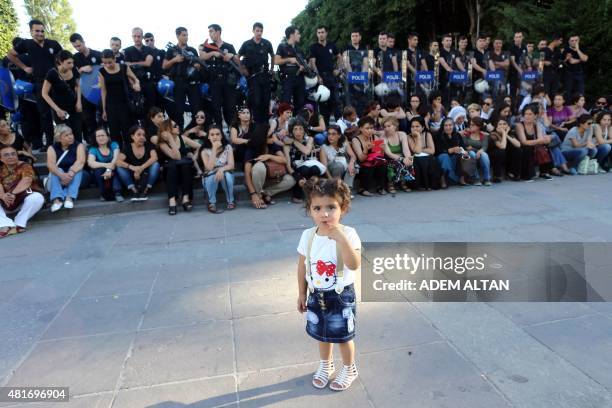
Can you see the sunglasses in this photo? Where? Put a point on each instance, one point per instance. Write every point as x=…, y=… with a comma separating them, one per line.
x=486, y=103
x=589, y=123
x=148, y=40
x=200, y=117
x=602, y=103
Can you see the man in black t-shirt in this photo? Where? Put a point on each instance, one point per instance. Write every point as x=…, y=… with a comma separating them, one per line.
x=139, y=58
x=499, y=60
x=288, y=57
x=461, y=61
x=254, y=58
x=224, y=76
x=574, y=60
x=325, y=59
x=156, y=69
x=518, y=61
x=356, y=60
x=415, y=63
x=185, y=74
x=445, y=67
x=84, y=60
x=115, y=45
x=551, y=61
x=385, y=57
x=42, y=53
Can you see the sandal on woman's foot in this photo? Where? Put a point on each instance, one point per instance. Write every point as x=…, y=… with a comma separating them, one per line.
x=267, y=198
x=212, y=208
x=405, y=187
x=7, y=231
x=295, y=200
x=381, y=191
x=391, y=189
x=343, y=381
x=187, y=206
x=172, y=209
x=320, y=379
x=366, y=193
x=231, y=206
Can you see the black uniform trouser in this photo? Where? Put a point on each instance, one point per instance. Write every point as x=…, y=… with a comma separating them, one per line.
x=223, y=100
x=119, y=121
x=574, y=83
x=89, y=120
x=259, y=97
x=44, y=114
x=551, y=82
x=293, y=90
x=149, y=92
x=333, y=103
x=184, y=88
x=30, y=123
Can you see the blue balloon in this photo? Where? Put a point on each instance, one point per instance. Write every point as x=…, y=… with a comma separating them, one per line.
x=320, y=138
x=23, y=88
x=165, y=87
x=204, y=89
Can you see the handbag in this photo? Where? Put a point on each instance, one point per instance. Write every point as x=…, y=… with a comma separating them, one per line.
x=135, y=99
x=542, y=156
x=45, y=181
x=583, y=166
x=314, y=163
x=593, y=167
x=275, y=171
x=468, y=166
x=19, y=198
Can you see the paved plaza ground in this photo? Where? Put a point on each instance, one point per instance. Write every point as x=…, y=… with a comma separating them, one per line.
x=198, y=310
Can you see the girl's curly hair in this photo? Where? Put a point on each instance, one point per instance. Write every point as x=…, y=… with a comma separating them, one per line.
x=334, y=188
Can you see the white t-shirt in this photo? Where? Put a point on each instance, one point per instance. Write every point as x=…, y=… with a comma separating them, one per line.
x=323, y=258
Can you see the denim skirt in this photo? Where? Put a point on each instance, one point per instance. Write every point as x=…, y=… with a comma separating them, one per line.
x=330, y=317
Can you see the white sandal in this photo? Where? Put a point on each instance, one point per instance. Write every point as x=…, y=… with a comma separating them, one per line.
x=325, y=370
x=343, y=381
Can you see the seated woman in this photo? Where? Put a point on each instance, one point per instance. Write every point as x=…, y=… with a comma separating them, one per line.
x=65, y=161
x=156, y=117
x=532, y=137
x=218, y=163
x=301, y=161
x=315, y=123
x=19, y=192
x=338, y=156
x=397, y=153
x=449, y=148
x=437, y=111
x=137, y=165
x=413, y=108
x=369, y=151
x=265, y=168
x=477, y=144
x=499, y=140
x=279, y=125
x=577, y=103
x=240, y=132
x=176, y=157
x=195, y=130
x=9, y=138
x=579, y=143
x=393, y=107
x=372, y=110
x=62, y=92
x=102, y=160
x=561, y=116
x=420, y=142
x=603, y=138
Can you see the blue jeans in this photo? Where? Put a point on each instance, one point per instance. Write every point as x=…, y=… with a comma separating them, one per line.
x=63, y=192
x=211, y=185
x=98, y=176
x=485, y=165
x=603, y=152
x=448, y=164
x=575, y=156
x=151, y=174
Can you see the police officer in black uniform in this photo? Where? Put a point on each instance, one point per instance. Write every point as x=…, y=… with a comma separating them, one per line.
x=325, y=59
x=156, y=69
x=185, y=74
x=254, y=54
x=447, y=55
x=115, y=45
x=140, y=59
x=415, y=62
x=224, y=76
x=357, y=56
x=42, y=54
x=291, y=71
x=84, y=59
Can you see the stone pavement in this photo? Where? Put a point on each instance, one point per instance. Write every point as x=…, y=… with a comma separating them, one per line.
x=198, y=310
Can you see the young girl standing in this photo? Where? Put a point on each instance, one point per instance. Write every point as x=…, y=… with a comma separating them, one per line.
x=330, y=255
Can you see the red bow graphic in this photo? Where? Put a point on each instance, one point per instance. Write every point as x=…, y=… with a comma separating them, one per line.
x=323, y=268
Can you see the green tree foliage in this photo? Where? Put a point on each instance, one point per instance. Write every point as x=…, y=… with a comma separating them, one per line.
x=57, y=16
x=538, y=19
x=8, y=25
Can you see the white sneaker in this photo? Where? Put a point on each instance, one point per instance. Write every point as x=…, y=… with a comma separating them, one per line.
x=69, y=204
x=56, y=206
